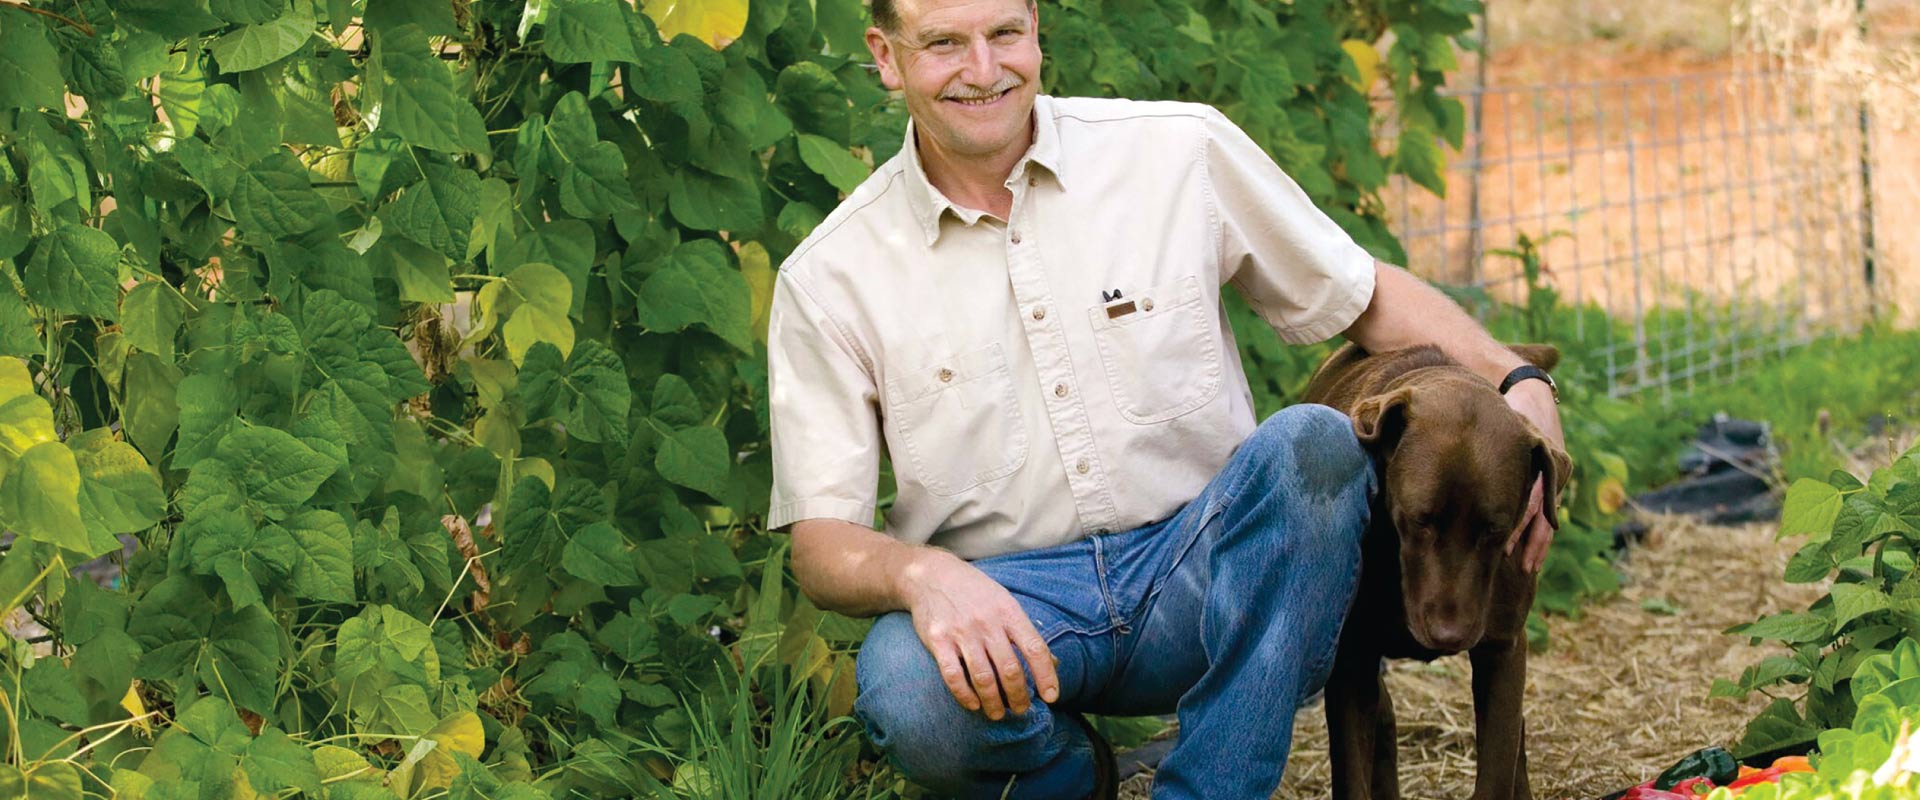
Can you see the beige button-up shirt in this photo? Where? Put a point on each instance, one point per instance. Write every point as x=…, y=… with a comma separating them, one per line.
x=1066, y=371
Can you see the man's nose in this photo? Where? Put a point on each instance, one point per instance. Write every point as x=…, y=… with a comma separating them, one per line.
x=983, y=67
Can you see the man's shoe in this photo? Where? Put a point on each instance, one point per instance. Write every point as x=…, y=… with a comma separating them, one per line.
x=1106, y=771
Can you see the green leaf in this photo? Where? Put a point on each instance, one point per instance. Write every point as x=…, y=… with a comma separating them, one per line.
x=696, y=458
x=541, y=295
x=182, y=87
x=674, y=403
x=710, y=201
x=435, y=18
x=589, y=393
x=29, y=67
x=323, y=567
x=119, y=492
x=586, y=30
x=273, y=467
x=833, y=162
x=150, y=316
x=438, y=211
x=1810, y=508
x=274, y=762
x=1790, y=627
x=76, y=270
x=247, y=12
x=417, y=100
x=1419, y=158
x=598, y=554
x=96, y=68
x=385, y=662
x=152, y=410
x=51, y=780
x=420, y=272
x=40, y=497
x=56, y=173
x=235, y=654
x=1851, y=600
x=698, y=286
x=49, y=688
x=816, y=101
x=273, y=198
x=256, y=46
x=595, y=183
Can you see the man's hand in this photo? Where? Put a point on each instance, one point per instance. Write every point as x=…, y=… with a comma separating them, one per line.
x=973, y=627
x=1533, y=400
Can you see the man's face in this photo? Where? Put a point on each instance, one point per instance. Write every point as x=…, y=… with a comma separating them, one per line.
x=969, y=69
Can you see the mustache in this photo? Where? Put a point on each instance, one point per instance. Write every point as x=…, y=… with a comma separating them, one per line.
x=1006, y=83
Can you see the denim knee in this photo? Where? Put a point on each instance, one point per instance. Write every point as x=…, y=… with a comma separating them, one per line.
x=905, y=706
x=1317, y=443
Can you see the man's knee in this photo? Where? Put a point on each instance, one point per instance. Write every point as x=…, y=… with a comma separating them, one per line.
x=905, y=706
x=1315, y=445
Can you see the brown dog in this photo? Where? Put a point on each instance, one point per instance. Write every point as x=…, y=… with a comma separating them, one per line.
x=1456, y=466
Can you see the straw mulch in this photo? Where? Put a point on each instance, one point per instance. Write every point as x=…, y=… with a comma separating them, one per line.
x=1621, y=693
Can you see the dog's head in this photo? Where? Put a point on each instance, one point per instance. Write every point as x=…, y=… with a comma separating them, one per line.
x=1459, y=466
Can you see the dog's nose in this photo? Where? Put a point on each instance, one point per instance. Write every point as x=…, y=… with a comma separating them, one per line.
x=1449, y=633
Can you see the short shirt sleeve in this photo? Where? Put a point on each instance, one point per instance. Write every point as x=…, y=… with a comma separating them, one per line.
x=1296, y=268
x=823, y=411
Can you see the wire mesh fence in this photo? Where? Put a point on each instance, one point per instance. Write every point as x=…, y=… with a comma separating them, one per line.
x=1719, y=217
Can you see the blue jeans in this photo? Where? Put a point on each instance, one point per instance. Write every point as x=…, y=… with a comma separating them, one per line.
x=1228, y=612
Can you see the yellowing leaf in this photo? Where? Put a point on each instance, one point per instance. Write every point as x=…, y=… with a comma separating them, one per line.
x=132, y=705
x=758, y=267
x=459, y=733
x=25, y=419
x=1610, y=495
x=1366, y=60
x=716, y=22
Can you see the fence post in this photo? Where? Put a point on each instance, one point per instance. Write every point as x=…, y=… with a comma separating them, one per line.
x=1866, y=175
x=1476, y=244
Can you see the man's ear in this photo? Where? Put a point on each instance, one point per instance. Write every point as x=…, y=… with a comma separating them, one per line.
x=1379, y=420
x=882, y=50
x=1544, y=356
x=1556, y=467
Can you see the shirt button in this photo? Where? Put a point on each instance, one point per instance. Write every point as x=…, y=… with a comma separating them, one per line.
x=1016, y=237
x=1039, y=312
x=1083, y=466
x=1032, y=181
x=1059, y=390
x=1147, y=304
x=946, y=375
x=1100, y=531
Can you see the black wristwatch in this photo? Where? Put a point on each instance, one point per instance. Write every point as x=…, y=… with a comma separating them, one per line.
x=1525, y=371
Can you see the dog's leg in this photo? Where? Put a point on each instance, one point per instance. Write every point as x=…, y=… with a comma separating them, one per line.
x=1499, y=682
x=1386, y=743
x=1355, y=705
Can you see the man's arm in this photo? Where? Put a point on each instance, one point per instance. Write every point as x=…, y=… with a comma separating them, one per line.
x=1405, y=311
x=852, y=569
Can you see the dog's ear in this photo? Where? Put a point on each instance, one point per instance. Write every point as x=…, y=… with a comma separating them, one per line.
x=1544, y=356
x=1379, y=420
x=1556, y=467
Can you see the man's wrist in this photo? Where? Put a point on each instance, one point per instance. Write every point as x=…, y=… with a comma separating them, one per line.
x=914, y=568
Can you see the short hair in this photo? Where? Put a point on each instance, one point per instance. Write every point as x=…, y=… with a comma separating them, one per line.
x=886, y=19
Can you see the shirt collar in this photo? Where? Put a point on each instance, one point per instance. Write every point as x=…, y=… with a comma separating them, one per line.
x=929, y=204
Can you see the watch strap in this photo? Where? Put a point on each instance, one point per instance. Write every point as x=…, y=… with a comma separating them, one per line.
x=1525, y=371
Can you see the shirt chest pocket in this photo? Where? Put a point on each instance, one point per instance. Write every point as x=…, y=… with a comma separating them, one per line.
x=959, y=420
x=1158, y=351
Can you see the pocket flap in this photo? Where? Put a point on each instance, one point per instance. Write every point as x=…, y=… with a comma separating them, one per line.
x=947, y=373
x=1162, y=298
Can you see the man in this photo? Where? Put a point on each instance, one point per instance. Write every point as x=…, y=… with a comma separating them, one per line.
x=1023, y=306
